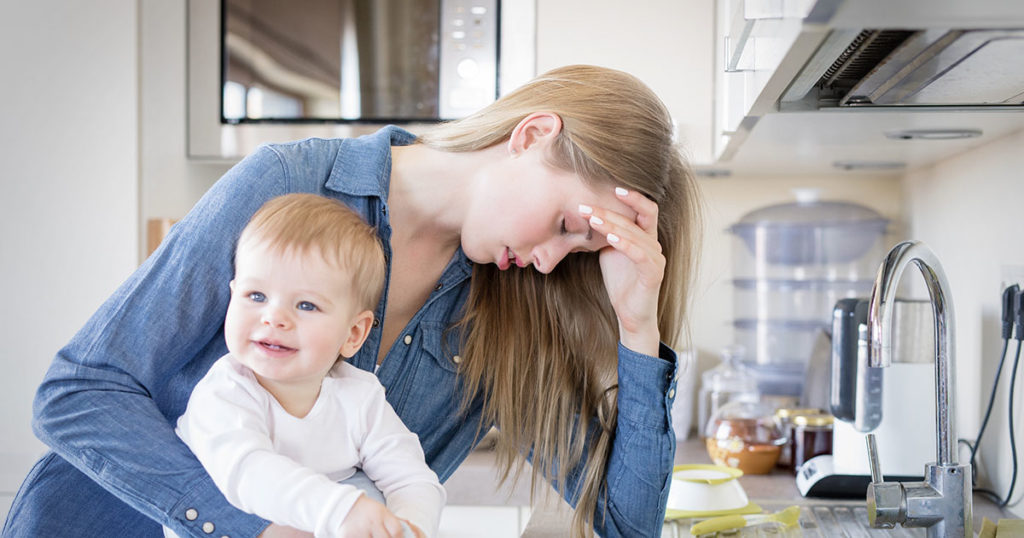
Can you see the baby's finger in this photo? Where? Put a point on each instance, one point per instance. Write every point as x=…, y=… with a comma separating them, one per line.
x=646, y=209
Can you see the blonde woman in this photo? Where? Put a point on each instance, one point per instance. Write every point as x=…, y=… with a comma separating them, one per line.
x=539, y=254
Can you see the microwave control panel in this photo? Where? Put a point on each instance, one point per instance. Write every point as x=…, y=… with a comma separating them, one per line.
x=469, y=56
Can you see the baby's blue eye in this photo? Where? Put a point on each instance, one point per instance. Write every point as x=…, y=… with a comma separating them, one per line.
x=257, y=297
x=307, y=306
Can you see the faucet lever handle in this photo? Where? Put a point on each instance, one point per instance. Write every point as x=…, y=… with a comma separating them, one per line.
x=876, y=468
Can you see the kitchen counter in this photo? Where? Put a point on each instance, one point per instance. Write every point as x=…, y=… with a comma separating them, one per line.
x=773, y=492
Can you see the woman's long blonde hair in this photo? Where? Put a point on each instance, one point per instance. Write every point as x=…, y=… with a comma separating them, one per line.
x=542, y=349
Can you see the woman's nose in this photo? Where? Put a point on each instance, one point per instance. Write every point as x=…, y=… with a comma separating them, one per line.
x=551, y=253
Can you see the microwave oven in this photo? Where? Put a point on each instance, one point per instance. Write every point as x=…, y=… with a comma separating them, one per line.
x=266, y=71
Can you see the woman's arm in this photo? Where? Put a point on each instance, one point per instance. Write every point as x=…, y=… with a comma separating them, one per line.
x=106, y=402
x=640, y=465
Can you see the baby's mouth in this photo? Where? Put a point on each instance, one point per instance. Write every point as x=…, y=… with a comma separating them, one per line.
x=270, y=346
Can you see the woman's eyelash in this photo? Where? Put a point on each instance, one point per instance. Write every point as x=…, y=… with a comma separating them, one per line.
x=562, y=226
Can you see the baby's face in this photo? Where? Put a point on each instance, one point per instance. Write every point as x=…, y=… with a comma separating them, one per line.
x=289, y=315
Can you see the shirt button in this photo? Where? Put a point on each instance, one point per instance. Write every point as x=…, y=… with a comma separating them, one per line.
x=456, y=359
x=208, y=527
x=438, y=286
x=671, y=393
x=407, y=339
x=191, y=514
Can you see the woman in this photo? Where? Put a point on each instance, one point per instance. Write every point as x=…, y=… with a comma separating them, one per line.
x=538, y=253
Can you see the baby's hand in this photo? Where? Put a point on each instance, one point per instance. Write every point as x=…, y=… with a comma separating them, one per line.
x=415, y=530
x=369, y=518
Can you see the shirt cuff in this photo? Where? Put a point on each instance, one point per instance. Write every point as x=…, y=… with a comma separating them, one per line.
x=647, y=386
x=204, y=510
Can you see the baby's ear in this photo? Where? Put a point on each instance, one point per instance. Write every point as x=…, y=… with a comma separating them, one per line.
x=231, y=285
x=357, y=334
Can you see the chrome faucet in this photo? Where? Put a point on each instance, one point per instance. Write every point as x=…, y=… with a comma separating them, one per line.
x=942, y=503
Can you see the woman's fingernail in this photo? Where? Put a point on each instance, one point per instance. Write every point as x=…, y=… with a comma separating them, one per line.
x=612, y=238
x=585, y=209
x=596, y=220
x=620, y=191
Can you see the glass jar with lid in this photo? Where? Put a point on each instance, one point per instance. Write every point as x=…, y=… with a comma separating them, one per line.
x=810, y=436
x=722, y=384
x=743, y=434
x=784, y=419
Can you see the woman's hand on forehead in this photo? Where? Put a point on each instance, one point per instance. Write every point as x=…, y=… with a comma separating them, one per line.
x=633, y=267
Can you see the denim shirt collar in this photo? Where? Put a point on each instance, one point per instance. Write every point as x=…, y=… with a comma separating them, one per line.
x=373, y=152
x=370, y=152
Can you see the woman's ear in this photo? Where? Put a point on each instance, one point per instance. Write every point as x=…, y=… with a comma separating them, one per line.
x=357, y=334
x=536, y=130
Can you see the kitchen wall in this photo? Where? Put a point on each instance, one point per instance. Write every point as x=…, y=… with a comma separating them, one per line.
x=968, y=210
x=69, y=207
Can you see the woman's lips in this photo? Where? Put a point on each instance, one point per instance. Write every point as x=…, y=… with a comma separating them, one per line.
x=503, y=261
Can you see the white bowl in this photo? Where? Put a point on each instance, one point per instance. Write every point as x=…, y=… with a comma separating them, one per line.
x=706, y=488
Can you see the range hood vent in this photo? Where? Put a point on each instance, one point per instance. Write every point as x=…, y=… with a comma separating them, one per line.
x=866, y=51
x=893, y=67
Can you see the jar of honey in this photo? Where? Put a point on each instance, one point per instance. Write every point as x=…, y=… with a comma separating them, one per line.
x=784, y=419
x=810, y=436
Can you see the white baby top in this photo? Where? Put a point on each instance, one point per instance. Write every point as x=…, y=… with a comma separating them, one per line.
x=285, y=469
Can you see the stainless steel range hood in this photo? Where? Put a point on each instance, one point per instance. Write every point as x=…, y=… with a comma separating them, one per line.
x=865, y=86
x=896, y=67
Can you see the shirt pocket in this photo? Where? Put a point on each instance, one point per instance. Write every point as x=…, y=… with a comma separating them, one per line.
x=441, y=345
x=431, y=396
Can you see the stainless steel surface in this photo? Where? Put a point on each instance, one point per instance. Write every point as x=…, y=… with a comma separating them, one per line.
x=818, y=517
x=842, y=519
x=943, y=502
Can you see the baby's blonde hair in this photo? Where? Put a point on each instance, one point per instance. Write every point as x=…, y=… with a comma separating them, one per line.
x=301, y=223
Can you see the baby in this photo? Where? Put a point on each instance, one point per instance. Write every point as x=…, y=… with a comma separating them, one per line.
x=281, y=419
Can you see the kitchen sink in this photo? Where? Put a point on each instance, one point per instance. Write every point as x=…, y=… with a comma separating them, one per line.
x=826, y=519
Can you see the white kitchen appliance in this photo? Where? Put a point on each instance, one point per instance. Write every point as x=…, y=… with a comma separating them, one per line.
x=897, y=404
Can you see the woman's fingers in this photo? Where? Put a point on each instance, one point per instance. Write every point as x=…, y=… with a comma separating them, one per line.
x=626, y=237
x=617, y=227
x=646, y=209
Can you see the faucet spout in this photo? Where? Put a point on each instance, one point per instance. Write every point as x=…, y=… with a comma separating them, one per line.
x=942, y=503
x=880, y=318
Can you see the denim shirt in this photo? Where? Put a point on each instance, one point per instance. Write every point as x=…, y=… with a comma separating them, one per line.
x=109, y=400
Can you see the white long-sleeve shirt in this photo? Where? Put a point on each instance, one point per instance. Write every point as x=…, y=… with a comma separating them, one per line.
x=286, y=469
